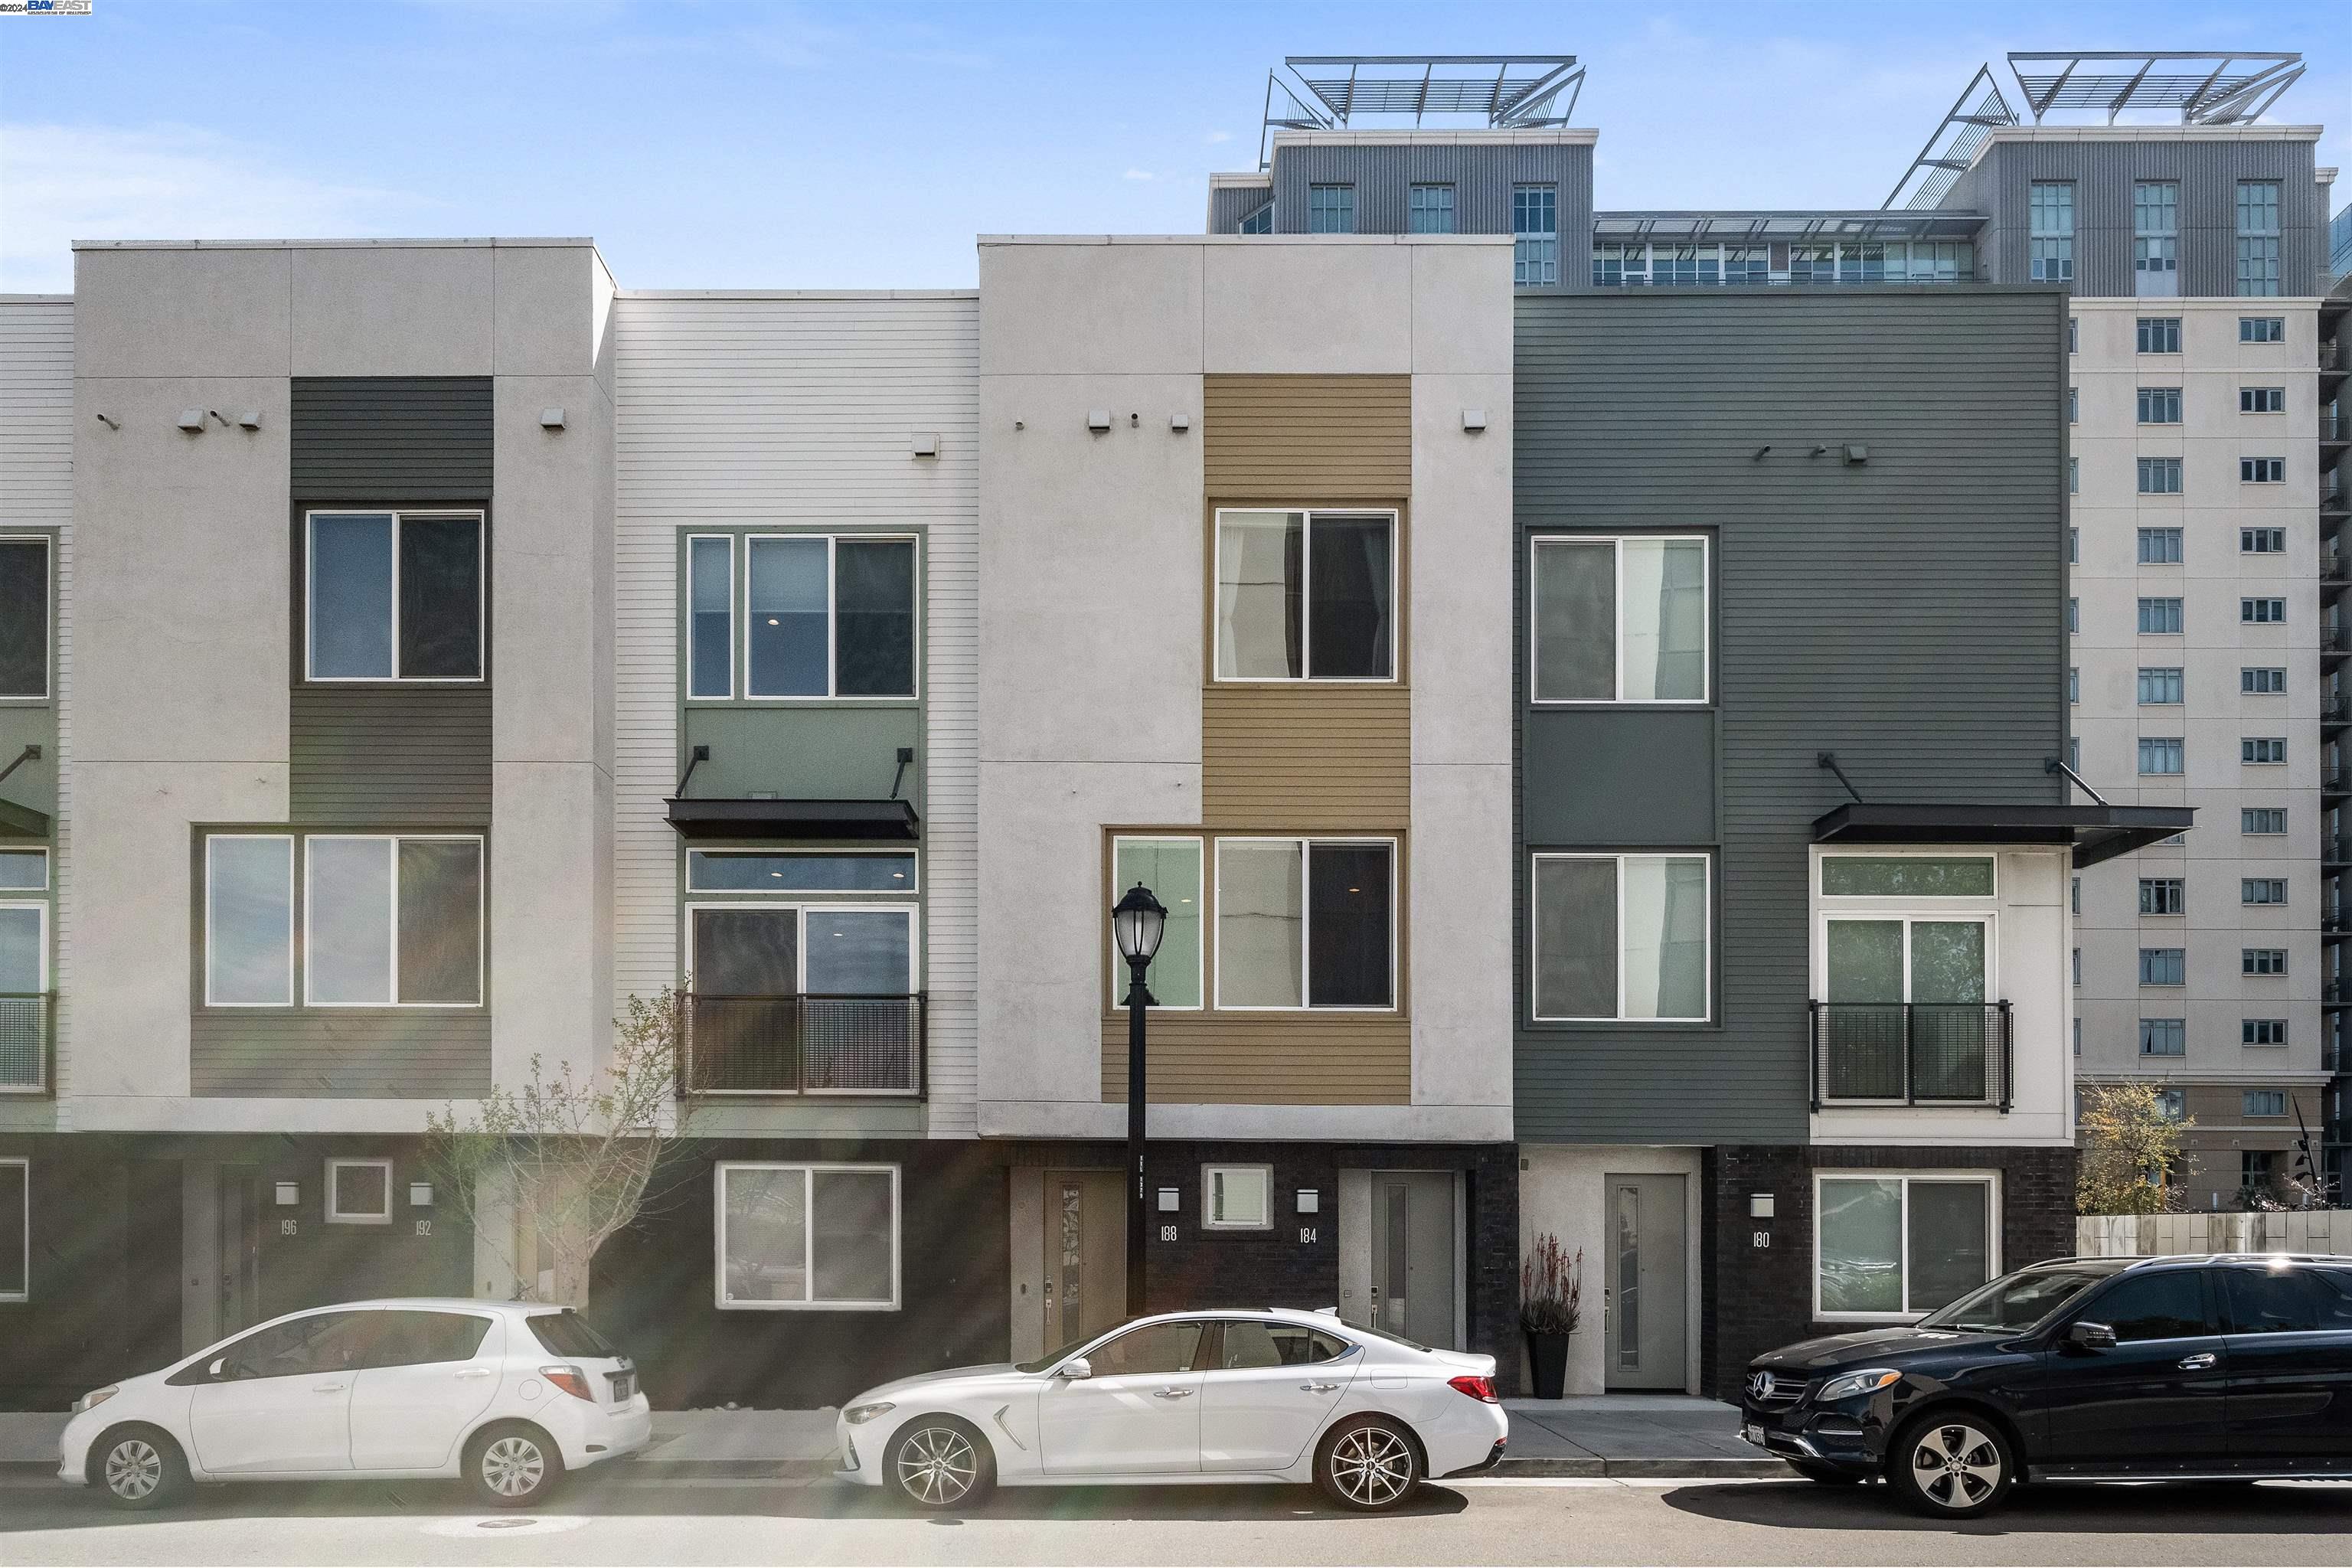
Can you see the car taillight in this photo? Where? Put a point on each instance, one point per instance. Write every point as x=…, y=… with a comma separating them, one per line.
x=1476, y=1387
x=570, y=1379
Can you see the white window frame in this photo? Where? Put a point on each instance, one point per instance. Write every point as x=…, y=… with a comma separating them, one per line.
x=832, y=693
x=1307, y=596
x=2259, y=395
x=1306, y=918
x=1908, y=913
x=1616, y=542
x=340, y=1217
x=48, y=542
x=399, y=518
x=803, y=909
x=293, y=903
x=25, y=1263
x=1208, y=926
x=1989, y=1179
x=914, y=878
x=40, y=907
x=1904, y=852
x=392, y=841
x=736, y=603
x=809, y=1170
x=1208, y=1173
x=1535, y=927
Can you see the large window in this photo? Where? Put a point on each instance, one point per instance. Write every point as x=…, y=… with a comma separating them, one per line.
x=24, y=616
x=1330, y=209
x=395, y=596
x=2258, y=237
x=2163, y=1036
x=2157, y=335
x=2160, y=476
x=2156, y=238
x=2051, y=218
x=2160, y=406
x=1170, y=867
x=1305, y=596
x=1535, y=236
x=15, y=1230
x=824, y=615
x=2159, y=686
x=2162, y=753
x=2162, y=896
x=1897, y=1246
x=1620, y=937
x=761, y=950
x=23, y=961
x=386, y=921
x=1431, y=210
x=1306, y=924
x=1619, y=620
x=807, y=1236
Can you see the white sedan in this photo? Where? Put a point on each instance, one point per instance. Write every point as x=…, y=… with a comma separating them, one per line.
x=1187, y=1398
x=506, y=1395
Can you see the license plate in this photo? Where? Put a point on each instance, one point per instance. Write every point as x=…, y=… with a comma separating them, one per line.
x=624, y=1386
x=1753, y=1434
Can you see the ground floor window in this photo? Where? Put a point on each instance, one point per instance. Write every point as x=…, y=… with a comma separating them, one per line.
x=1892, y=1244
x=803, y=1236
x=359, y=1192
x=15, y=1230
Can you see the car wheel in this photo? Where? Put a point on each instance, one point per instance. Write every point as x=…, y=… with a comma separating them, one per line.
x=514, y=1466
x=138, y=1466
x=1369, y=1464
x=938, y=1462
x=1828, y=1475
x=1955, y=1466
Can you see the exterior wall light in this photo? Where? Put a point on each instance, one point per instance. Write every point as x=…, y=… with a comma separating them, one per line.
x=1099, y=420
x=1760, y=1206
x=926, y=444
x=1474, y=419
x=551, y=418
x=192, y=420
x=289, y=1194
x=420, y=1195
x=1309, y=1200
x=1170, y=1200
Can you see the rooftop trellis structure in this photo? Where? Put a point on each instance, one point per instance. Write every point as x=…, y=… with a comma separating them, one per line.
x=1953, y=147
x=2206, y=87
x=1509, y=92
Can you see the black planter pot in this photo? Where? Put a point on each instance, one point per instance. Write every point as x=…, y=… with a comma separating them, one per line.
x=1548, y=1358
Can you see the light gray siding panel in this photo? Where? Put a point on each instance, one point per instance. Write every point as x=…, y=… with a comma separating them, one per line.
x=414, y=1054
x=1905, y=613
x=390, y=438
x=364, y=756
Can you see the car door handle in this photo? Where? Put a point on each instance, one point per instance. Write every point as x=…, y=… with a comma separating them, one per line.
x=2197, y=1362
x=1173, y=1394
x=327, y=1388
x=473, y=1371
x=1316, y=1387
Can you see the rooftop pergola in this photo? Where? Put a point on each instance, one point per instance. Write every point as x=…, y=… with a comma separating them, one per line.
x=1696, y=227
x=1330, y=92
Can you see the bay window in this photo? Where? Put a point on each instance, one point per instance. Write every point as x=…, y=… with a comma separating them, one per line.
x=1305, y=596
x=807, y=1236
x=1889, y=1244
x=1619, y=620
x=394, y=596
x=1306, y=924
x=1620, y=937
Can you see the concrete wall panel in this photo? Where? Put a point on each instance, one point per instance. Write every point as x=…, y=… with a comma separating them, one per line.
x=397, y=311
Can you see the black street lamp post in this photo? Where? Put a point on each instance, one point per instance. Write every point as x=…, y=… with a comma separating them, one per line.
x=1135, y=924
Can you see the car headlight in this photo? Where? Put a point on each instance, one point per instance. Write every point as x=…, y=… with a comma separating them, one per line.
x=1855, y=1383
x=95, y=1397
x=859, y=1415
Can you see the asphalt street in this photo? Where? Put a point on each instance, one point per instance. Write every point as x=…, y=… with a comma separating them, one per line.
x=1485, y=1522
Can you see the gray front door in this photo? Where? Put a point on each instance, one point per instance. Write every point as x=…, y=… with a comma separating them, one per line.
x=1412, y=1256
x=1645, y=1342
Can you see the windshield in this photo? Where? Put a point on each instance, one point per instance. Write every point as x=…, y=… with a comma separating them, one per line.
x=1049, y=1362
x=2016, y=1302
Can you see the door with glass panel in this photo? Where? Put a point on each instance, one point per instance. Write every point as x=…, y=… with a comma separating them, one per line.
x=1645, y=1328
x=808, y=999
x=1906, y=1017
x=1413, y=1274
x=1085, y=1253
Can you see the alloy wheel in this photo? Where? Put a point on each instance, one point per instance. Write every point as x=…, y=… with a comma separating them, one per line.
x=513, y=1467
x=1955, y=1465
x=937, y=1466
x=1372, y=1466
x=133, y=1470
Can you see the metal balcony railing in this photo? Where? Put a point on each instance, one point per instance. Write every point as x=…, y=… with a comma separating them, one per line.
x=2333, y=639
x=801, y=1045
x=1911, y=1053
x=28, y=1041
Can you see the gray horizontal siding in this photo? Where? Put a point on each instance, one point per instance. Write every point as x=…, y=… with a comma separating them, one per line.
x=1482, y=175
x=1228, y=204
x=301, y=1054
x=1905, y=613
x=390, y=438
x=408, y=755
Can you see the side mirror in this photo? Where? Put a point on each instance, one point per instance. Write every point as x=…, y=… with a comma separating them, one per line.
x=2090, y=1336
x=219, y=1369
x=1078, y=1366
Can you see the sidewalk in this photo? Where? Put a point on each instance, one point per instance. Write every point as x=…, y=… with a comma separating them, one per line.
x=1625, y=1436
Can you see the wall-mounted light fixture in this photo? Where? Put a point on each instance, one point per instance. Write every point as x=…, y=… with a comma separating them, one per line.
x=289, y=1194
x=1474, y=419
x=1760, y=1206
x=420, y=1195
x=192, y=420
x=1309, y=1201
x=1097, y=420
x=1180, y=423
x=250, y=420
x=926, y=444
x=1170, y=1200
x=551, y=418
x=1856, y=453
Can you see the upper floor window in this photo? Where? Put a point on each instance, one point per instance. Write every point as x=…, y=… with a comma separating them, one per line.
x=2051, y=211
x=2261, y=612
x=2261, y=681
x=1170, y=867
x=1430, y=210
x=1620, y=936
x=2163, y=1038
x=2162, y=896
x=1330, y=209
x=2261, y=540
x=395, y=596
x=2263, y=471
x=2157, y=335
x=24, y=616
x=2258, y=237
x=1260, y=221
x=1619, y=620
x=2262, y=329
x=2159, y=618
x=386, y=920
x=747, y=949
x=1305, y=596
x=2262, y=889
x=1535, y=229
x=2160, y=546
x=2159, y=686
x=798, y=871
x=2160, y=476
x=822, y=615
x=2156, y=238
x=1306, y=924
x=2261, y=400
x=2160, y=406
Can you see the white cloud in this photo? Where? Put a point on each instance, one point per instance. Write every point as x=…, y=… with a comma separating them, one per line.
x=63, y=183
x=1213, y=137
x=1139, y=175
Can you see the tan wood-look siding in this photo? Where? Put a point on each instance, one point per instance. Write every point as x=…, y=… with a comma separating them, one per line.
x=1307, y=438
x=1311, y=758
x=1267, y=1058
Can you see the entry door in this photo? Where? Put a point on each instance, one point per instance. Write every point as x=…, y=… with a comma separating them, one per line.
x=239, y=1269
x=1645, y=1320
x=1085, y=1253
x=1412, y=1256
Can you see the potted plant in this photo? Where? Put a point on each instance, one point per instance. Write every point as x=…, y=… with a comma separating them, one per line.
x=1551, y=1295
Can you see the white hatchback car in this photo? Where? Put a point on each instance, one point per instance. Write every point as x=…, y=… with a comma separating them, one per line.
x=1187, y=1398
x=506, y=1395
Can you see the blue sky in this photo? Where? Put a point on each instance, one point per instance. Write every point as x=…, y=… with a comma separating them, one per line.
x=777, y=145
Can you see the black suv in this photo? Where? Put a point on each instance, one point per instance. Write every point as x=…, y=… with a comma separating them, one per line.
x=2233, y=1368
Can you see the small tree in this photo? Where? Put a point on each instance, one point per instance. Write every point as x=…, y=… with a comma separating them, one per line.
x=2130, y=1150
x=547, y=1174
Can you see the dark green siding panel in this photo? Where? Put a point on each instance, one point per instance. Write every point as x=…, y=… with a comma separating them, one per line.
x=299, y=1054
x=390, y=438
x=1596, y=776
x=367, y=756
x=802, y=752
x=1905, y=613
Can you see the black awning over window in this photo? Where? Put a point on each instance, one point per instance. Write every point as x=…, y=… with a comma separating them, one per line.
x=794, y=819
x=2096, y=832
x=22, y=821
